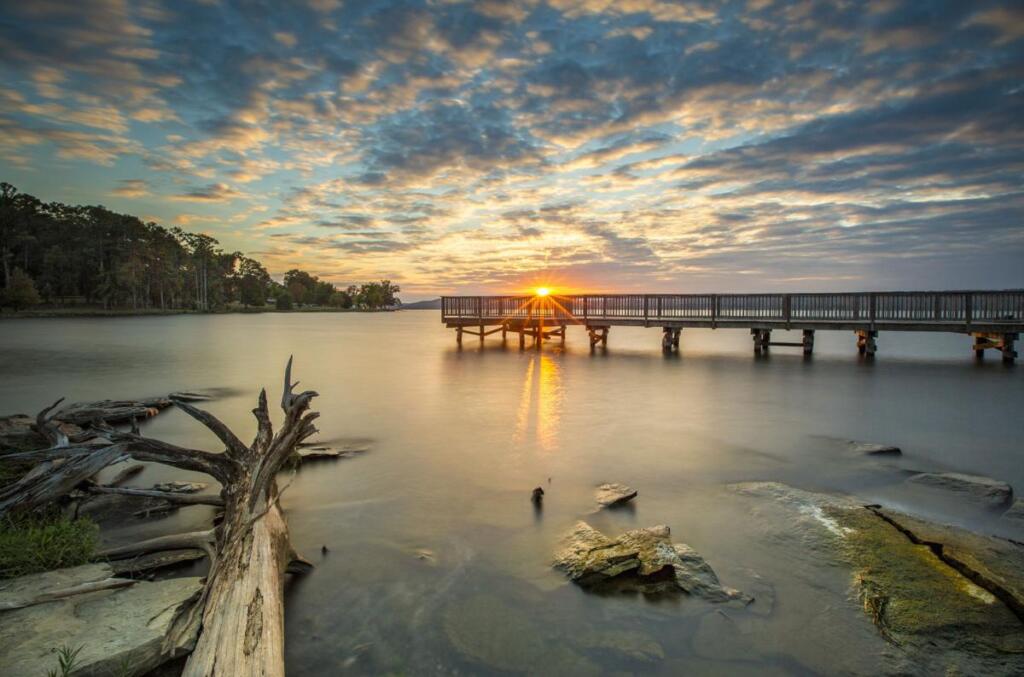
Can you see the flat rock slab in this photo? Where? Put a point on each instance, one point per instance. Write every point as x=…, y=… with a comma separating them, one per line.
x=928, y=588
x=643, y=560
x=610, y=495
x=115, y=628
x=873, y=449
x=983, y=491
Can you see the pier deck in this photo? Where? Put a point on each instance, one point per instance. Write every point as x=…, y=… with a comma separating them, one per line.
x=993, y=318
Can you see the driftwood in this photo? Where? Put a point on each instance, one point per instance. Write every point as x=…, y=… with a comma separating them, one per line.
x=241, y=610
x=169, y=496
x=62, y=467
x=242, y=606
x=52, y=595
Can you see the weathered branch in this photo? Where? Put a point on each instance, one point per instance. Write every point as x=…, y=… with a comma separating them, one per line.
x=50, y=430
x=52, y=595
x=235, y=447
x=170, y=496
x=49, y=481
x=203, y=540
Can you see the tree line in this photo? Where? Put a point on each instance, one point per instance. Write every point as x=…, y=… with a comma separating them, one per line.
x=60, y=254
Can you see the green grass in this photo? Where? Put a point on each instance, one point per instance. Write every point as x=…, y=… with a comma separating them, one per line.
x=30, y=544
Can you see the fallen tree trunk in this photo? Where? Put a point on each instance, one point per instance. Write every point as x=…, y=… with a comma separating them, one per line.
x=242, y=606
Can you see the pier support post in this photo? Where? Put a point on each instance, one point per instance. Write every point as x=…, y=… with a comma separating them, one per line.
x=866, y=341
x=504, y=331
x=762, y=339
x=808, y=341
x=670, y=338
x=458, y=335
x=1004, y=343
x=563, y=335
x=481, y=334
x=522, y=338
x=598, y=335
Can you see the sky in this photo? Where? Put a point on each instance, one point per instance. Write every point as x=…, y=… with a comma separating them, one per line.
x=489, y=147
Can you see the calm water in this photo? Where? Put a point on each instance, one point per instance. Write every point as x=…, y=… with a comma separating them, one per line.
x=438, y=562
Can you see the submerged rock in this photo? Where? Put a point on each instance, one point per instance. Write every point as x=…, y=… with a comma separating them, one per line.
x=115, y=628
x=1015, y=513
x=486, y=630
x=644, y=560
x=623, y=644
x=610, y=495
x=873, y=449
x=949, y=598
x=984, y=491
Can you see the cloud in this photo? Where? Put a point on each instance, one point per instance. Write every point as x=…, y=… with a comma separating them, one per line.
x=465, y=145
x=214, y=192
x=131, y=188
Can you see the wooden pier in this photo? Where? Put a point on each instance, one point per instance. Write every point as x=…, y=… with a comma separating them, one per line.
x=993, y=318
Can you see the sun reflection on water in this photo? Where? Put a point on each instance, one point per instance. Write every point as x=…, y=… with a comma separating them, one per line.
x=540, y=404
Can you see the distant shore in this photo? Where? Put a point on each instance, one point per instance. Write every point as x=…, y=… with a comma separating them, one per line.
x=148, y=312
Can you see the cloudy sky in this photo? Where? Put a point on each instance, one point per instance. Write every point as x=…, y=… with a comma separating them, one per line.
x=491, y=146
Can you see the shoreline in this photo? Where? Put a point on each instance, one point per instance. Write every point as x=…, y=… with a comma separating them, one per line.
x=126, y=312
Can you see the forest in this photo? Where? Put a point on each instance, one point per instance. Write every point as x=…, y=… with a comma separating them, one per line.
x=62, y=255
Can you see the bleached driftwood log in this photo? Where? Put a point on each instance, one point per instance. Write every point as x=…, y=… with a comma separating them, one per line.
x=242, y=606
x=241, y=609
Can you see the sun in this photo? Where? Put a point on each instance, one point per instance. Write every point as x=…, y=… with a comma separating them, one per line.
x=543, y=291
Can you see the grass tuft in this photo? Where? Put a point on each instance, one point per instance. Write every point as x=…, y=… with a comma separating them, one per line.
x=31, y=544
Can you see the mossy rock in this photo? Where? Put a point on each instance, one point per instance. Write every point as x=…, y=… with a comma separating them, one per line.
x=916, y=599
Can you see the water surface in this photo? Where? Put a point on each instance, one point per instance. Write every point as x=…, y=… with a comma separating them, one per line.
x=438, y=563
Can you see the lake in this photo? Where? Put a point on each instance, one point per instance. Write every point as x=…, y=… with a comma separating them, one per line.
x=439, y=564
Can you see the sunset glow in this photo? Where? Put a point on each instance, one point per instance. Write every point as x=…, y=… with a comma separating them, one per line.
x=638, y=146
x=543, y=291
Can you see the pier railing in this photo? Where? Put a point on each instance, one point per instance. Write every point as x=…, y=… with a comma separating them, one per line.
x=944, y=308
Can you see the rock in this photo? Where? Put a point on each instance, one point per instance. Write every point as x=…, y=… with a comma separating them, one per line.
x=486, y=630
x=641, y=559
x=993, y=563
x=718, y=637
x=115, y=628
x=621, y=644
x=609, y=495
x=984, y=491
x=872, y=449
x=1015, y=513
x=179, y=487
x=928, y=588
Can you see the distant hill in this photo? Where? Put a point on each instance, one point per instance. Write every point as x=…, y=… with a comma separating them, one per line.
x=432, y=304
